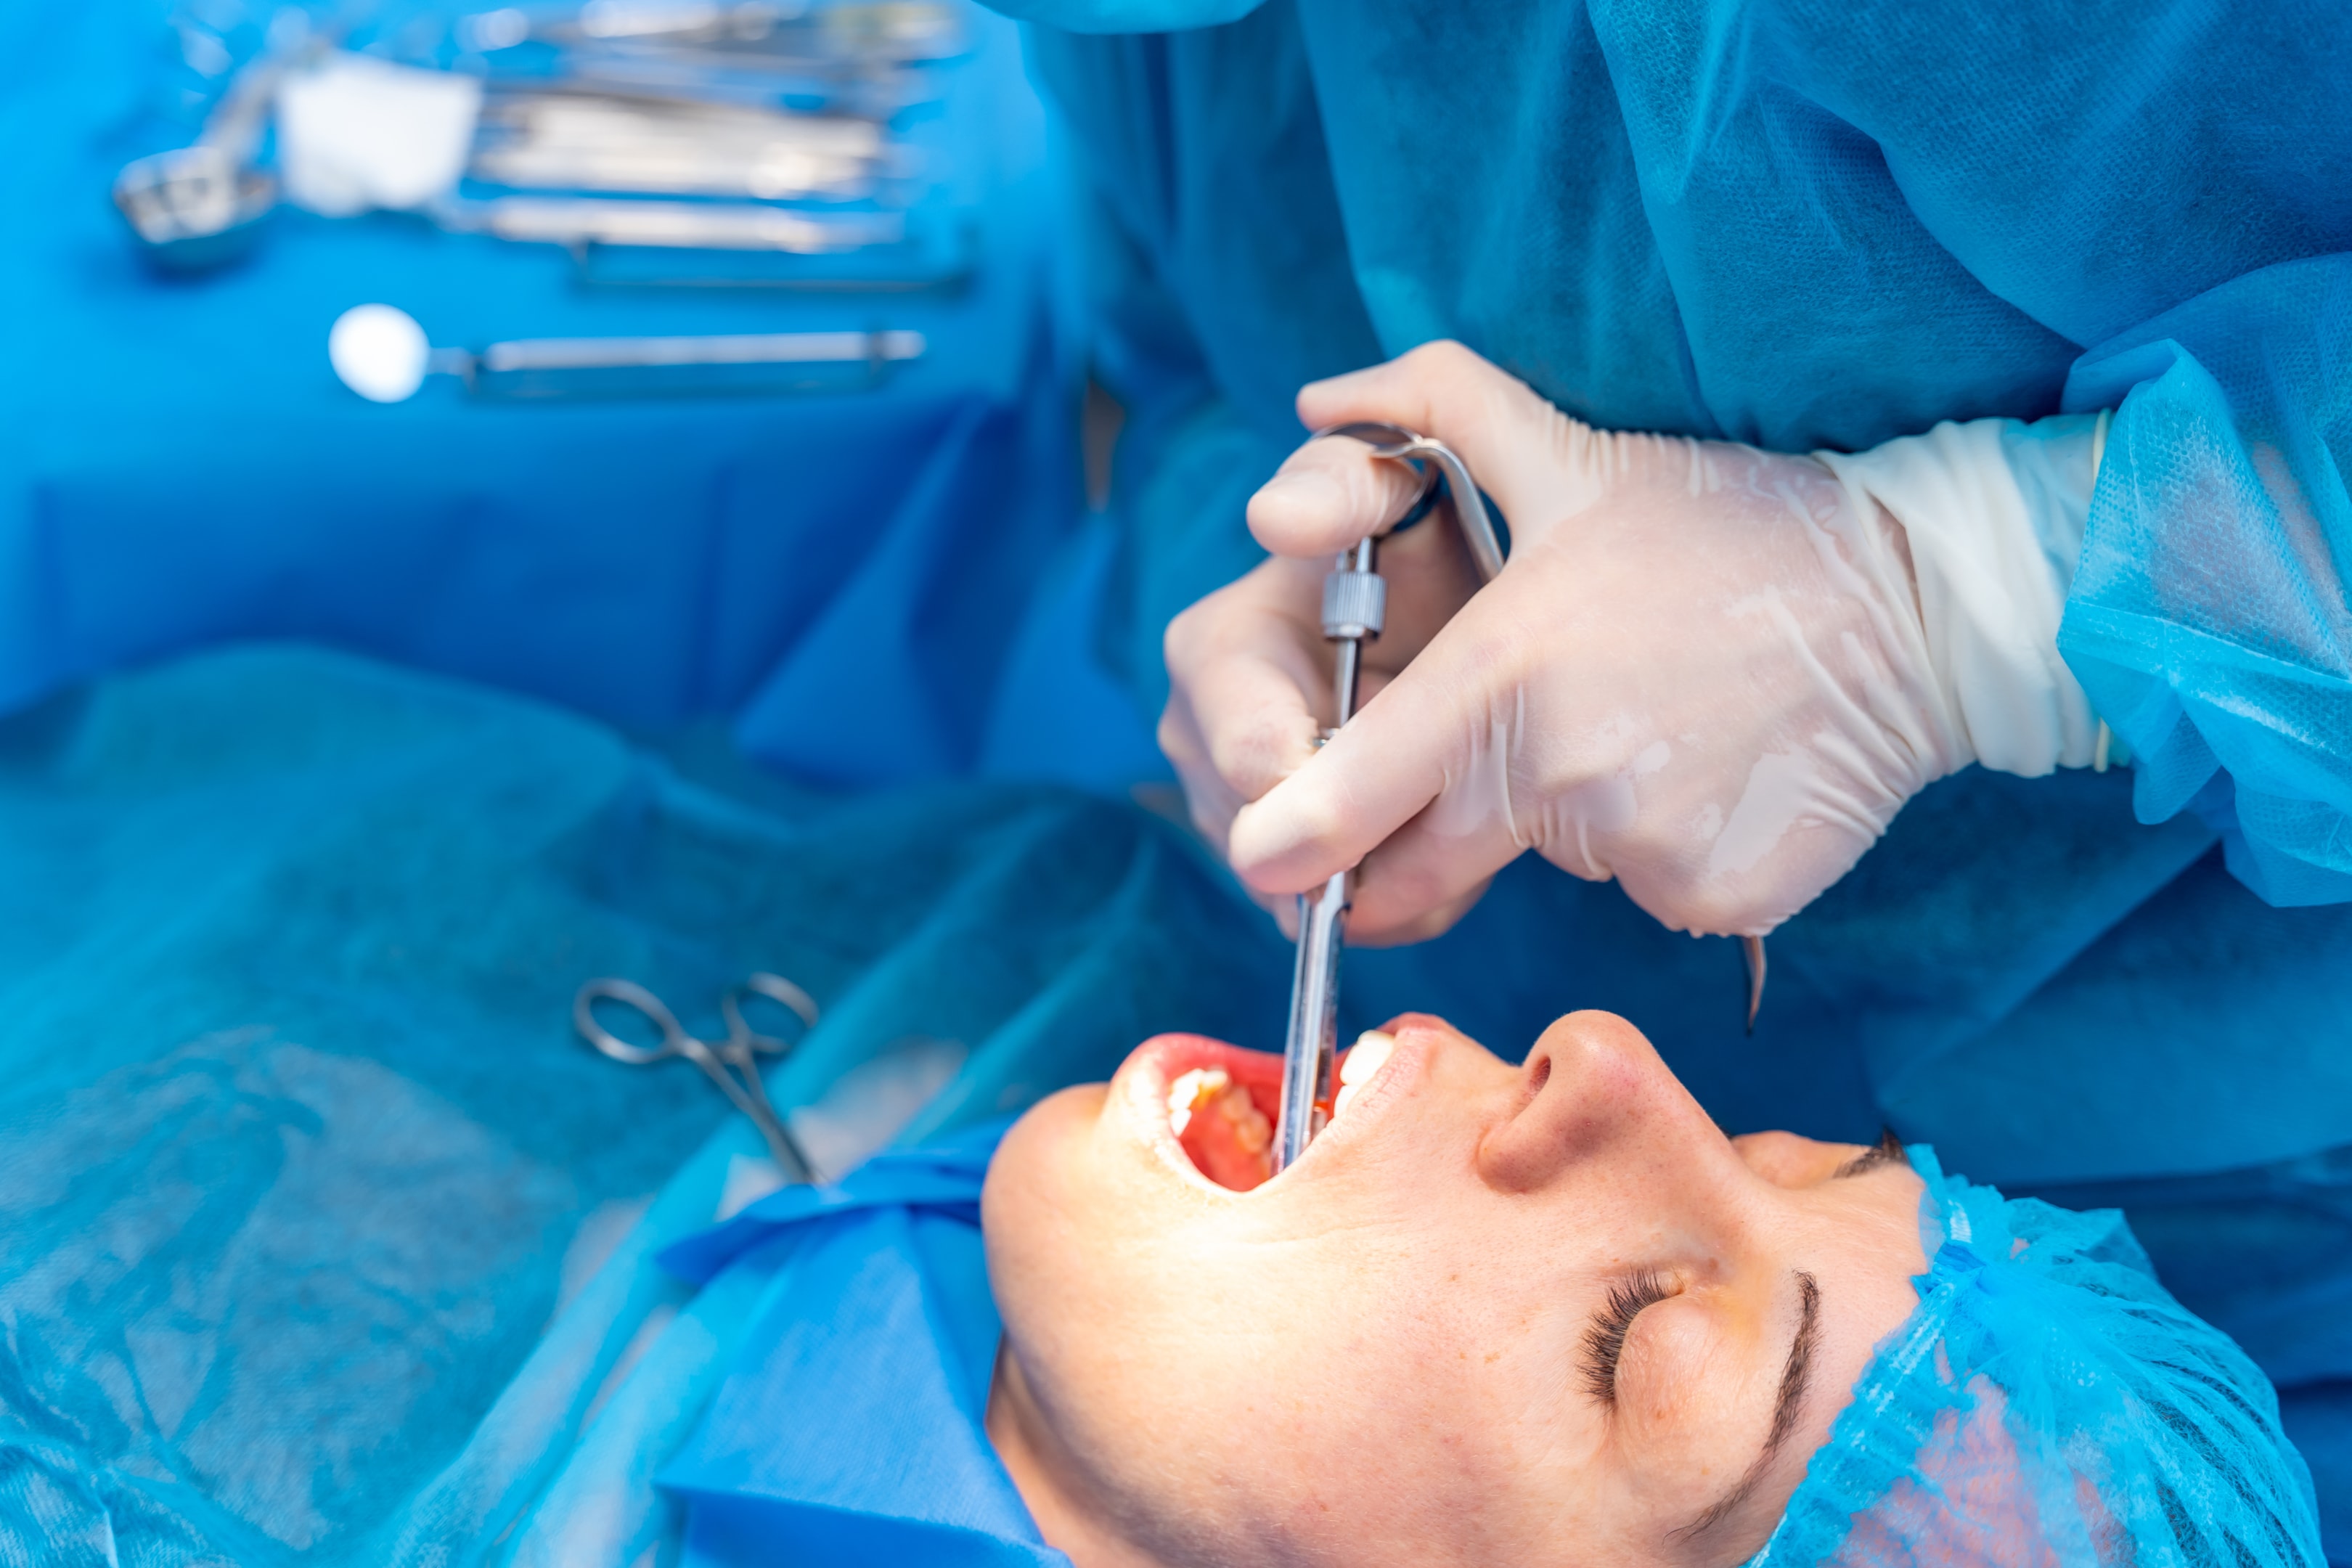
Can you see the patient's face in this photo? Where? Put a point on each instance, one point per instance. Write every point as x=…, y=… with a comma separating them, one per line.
x=1494, y=1315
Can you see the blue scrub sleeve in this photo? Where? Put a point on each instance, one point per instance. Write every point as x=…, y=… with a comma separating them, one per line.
x=1192, y=278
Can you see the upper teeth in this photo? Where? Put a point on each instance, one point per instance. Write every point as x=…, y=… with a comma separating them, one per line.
x=1212, y=1090
x=1191, y=1091
x=1371, y=1053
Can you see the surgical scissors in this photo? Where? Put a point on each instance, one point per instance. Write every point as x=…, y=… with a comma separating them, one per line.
x=732, y=1063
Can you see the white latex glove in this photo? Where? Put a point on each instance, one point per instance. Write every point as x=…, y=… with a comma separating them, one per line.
x=1705, y=670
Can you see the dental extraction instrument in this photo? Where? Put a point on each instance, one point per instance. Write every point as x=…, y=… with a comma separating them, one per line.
x=383, y=354
x=732, y=1063
x=1355, y=609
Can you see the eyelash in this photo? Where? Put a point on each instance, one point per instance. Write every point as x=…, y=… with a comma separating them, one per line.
x=1604, y=1342
x=1888, y=1151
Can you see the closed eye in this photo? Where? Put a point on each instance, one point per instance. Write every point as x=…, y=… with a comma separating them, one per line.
x=1604, y=1340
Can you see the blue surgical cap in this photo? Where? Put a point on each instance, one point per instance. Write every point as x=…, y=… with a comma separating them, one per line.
x=2049, y=1403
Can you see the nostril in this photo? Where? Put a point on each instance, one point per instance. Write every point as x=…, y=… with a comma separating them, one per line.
x=1535, y=1138
x=1538, y=1074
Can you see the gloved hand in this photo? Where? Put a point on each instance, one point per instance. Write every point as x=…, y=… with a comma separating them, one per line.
x=1704, y=671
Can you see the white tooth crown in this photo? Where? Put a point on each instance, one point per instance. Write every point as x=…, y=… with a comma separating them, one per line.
x=1191, y=1091
x=1214, y=1091
x=1371, y=1054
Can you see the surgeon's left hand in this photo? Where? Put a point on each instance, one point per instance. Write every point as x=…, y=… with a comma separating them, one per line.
x=1703, y=673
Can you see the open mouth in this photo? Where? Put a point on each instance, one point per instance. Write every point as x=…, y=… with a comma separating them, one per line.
x=1222, y=1107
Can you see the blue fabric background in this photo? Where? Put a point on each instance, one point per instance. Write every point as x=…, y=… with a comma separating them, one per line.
x=877, y=1311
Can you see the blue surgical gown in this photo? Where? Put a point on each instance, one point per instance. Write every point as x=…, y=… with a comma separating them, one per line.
x=1810, y=225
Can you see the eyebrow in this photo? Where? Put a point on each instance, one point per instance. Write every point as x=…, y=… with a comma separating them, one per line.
x=1796, y=1381
x=1888, y=1151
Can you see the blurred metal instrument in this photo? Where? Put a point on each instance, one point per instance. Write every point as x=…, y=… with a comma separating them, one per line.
x=732, y=1063
x=597, y=141
x=199, y=206
x=547, y=367
x=579, y=222
x=1355, y=608
x=865, y=55
x=383, y=354
x=795, y=36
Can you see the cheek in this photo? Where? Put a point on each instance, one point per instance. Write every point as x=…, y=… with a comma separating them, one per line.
x=1199, y=1400
x=1021, y=1200
x=1445, y=1430
x=1054, y=1210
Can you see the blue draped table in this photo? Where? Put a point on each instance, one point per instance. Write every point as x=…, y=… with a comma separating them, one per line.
x=843, y=576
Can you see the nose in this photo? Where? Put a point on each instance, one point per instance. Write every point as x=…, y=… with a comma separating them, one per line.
x=1596, y=1102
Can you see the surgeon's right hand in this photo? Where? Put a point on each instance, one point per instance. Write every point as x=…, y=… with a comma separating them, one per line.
x=1703, y=672
x=1249, y=670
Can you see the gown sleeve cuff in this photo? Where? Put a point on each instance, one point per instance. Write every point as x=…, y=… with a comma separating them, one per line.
x=1994, y=511
x=2209, y=618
